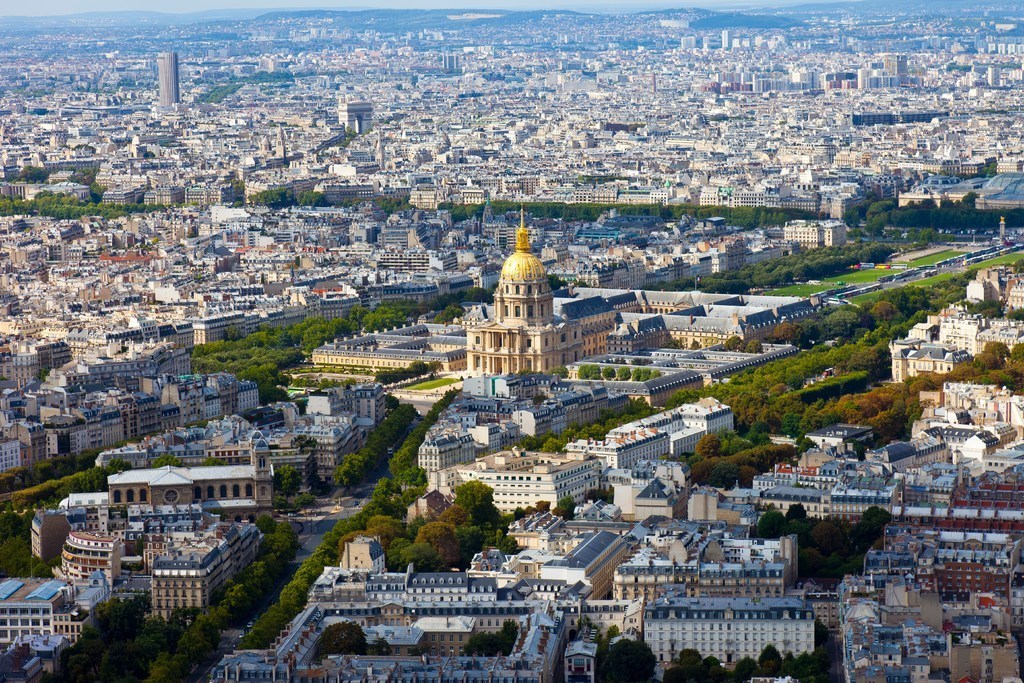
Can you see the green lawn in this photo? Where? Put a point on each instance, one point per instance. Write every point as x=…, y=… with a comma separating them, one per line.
x=852, y=277
x=932, y=259
x=432, y=384
x=999, y=260
x=798, y=290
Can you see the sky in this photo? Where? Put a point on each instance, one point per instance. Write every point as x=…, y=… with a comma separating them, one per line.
x=52, y=7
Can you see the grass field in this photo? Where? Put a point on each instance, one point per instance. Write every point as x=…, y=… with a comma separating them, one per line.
x=853, y=277
x=999, y=260
x=798, y=290
x=432, y=384
x=932, y=259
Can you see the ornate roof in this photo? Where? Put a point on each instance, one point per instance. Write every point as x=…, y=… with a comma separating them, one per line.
x=523, y=266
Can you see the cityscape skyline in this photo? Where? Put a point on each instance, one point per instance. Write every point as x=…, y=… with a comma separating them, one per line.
x=637, y=343
x=72, y=7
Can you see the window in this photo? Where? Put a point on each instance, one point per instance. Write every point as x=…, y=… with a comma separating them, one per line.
x=235, y=491
x=223, y=490
x=130, y=496
x=209, y=492
x=117, y=496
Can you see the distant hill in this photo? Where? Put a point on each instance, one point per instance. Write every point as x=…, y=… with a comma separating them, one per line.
x=718, y=20
x=142, y=17
x=396, y=20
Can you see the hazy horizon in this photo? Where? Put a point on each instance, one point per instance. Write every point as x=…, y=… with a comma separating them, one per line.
x=64, y=7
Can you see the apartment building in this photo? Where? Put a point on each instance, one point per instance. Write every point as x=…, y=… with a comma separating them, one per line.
x=728, y=629
x=521, y=479
x=30, y=607
x=192, y=569
x=814, y=234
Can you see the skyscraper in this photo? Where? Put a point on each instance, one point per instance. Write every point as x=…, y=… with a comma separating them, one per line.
x=167, y=63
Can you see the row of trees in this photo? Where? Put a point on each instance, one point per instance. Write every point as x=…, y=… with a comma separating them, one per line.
x=748, y=217
x=949, y=216
x=814, y=264
x=18, y=478
x=283, y=197
x=128, y=644
x=51, y=492
x=404, y=466
x=623, y=374
x=811, y=667
x=69, y=207
x=415, y=369
x=357, y=467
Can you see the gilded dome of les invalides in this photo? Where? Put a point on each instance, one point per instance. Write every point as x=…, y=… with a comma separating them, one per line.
x=522, y=266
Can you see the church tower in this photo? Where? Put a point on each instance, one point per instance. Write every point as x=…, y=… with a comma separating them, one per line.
x=523, y=296
x=521, y=332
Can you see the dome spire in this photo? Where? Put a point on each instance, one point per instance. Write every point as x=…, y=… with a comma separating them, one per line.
x=522, y=234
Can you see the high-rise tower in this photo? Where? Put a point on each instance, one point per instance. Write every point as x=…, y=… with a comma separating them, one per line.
x=167, y=63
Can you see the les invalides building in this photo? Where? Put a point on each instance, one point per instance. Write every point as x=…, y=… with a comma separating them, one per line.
x=520, y=330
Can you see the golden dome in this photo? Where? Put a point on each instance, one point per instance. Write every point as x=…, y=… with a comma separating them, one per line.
x=523, y=266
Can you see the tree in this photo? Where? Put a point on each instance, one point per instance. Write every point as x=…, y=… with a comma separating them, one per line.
x=797, y=511
x=422, y=556
x=566, y=507
x=477, y=499
x=32, y=174
x=754, y=346
x=276, y=198
x=870, y=527
x=724, y=474
x=828, y=537
x=343, y=638
x=770, y=661
x=744, y=670
x=450, y=313
x=379, y=648
x=287, y=480
x=167, y=460
x=608, y=373
x=791, y=425
x=312, y=198
x=441, y=537
x=384, y=318
x=821, y=634
x=771, y=525
x=709, y=446
x=493, y=644
x=622, y=374
x=733, y=344
x=628, y=661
